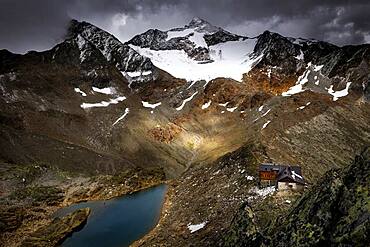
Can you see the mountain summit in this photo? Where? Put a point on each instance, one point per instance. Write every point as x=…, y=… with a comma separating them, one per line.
x=201, y=25
x=121, y=55
x=197, y=51
x=197, y=22
x=201, y=51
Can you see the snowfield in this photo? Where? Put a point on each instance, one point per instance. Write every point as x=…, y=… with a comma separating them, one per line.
x=230, y=60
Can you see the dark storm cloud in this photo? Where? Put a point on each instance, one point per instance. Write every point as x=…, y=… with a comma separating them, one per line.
x=39, y=24
x=26, y=24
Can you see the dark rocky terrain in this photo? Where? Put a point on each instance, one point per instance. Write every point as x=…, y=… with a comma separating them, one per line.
x=58, y=229
x=334, y=212
x=92, y=118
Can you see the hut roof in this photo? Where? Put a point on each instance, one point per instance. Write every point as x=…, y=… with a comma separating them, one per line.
x=290, y=173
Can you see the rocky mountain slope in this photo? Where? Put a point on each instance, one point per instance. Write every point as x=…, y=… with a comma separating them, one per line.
x=199, y=103
x=223, y=203
x=335, y=212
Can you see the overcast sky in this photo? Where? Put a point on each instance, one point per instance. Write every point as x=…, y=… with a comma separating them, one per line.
x=40, y=24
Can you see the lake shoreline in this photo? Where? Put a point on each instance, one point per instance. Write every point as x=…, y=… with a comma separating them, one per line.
x=25, y=218
x=118, y=221
x=164, y=212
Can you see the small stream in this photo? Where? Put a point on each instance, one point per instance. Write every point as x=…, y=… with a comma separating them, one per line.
x=119, y=221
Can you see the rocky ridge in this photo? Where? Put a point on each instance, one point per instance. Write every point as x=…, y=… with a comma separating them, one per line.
x=188, y=38
x=116, y=53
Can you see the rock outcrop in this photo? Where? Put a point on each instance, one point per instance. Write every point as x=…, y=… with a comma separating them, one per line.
x=334, y=212
x=116, y=53
x=244, y=231
x=58, y=230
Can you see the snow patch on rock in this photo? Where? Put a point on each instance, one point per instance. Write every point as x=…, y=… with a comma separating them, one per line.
x=265, y=124
x=185, y=101
x=298, y=87
x=304, y=106
x=77, y=90
x=127, y=110
x=139, y=73
x=264, y=191
x=231, y=109
x=103, y=103
x=317, y=68
x=264, y=114
x=206, y=105
x=300, y=56
x=106, y=90
x=83, y=47
x=224, y=104
x=196, y=227
x=149, y=105
x=338, y=94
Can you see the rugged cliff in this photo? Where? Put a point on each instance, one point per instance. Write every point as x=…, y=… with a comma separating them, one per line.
x=334, y=212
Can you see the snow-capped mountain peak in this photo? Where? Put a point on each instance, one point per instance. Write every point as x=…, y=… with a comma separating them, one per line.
x=202, y=26
x=120, y=55
x=197, y=51
x=196, y=22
